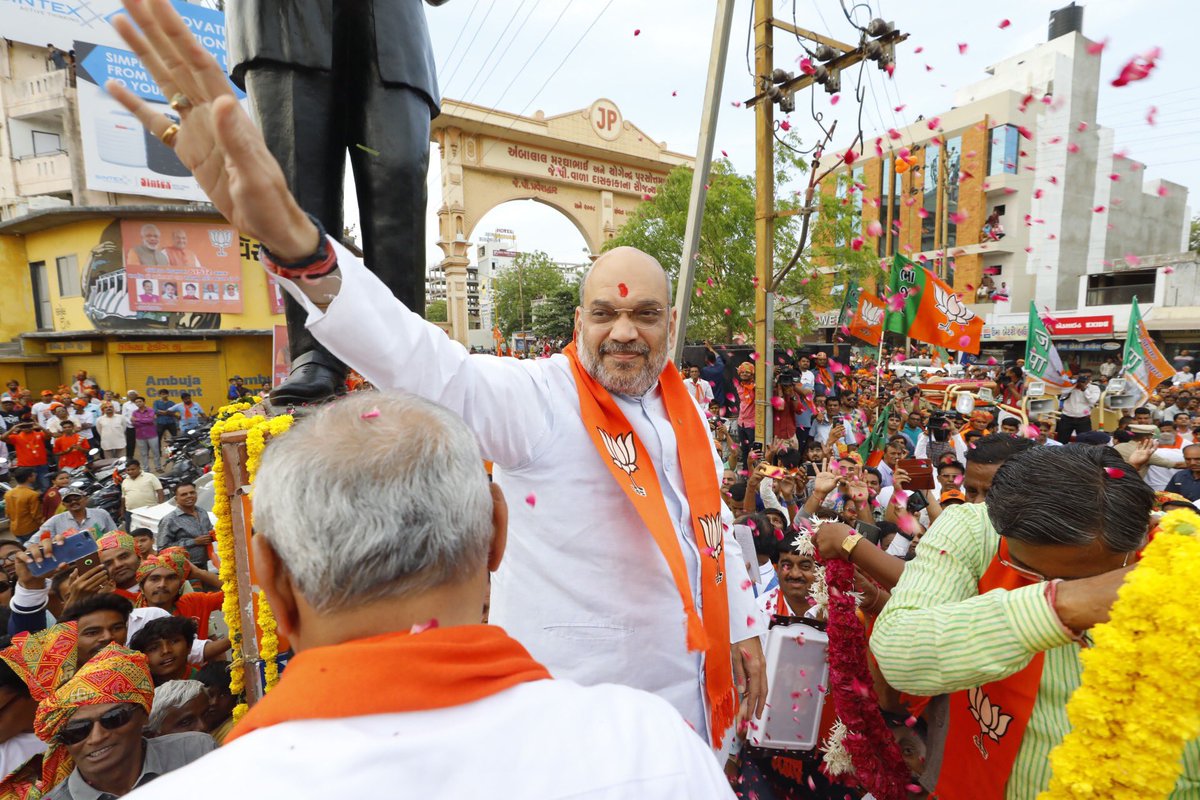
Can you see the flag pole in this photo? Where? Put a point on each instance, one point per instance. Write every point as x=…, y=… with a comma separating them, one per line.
x=879, y=364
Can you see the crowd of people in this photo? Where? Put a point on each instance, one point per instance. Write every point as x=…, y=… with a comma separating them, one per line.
x=602, y=615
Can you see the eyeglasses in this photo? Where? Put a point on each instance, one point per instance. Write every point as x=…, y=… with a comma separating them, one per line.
x=1038, y=577
x=76, y=731
x=645, y=317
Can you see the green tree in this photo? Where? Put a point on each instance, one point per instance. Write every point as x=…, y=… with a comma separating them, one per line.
x=1194, y=235
x=436, y=311
x=531, y=276
x=723, y=303
x=554, y=315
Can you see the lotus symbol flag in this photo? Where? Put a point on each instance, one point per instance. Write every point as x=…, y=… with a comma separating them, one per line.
x=623, y=453
x=221, y=239
x=714, y=534
x=954, y=310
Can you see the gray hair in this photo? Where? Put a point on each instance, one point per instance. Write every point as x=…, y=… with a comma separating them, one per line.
x=172, y=694
x=1072, y=496
x=376, y=495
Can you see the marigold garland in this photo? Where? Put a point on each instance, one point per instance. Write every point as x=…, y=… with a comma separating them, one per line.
x=230, y=418
x=1138, y=704
x=878, y=764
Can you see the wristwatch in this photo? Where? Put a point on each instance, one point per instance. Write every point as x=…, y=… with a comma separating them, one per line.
x=849, y=543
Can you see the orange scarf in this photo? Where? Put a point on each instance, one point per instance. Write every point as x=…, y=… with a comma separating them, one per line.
x=441, y=668
x=988, y=723
x=629, y=462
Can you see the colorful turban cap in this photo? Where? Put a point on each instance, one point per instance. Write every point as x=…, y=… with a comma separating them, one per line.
x=982, y=416
x=1161, y=499
x=114, y=675
x=116, y=540
x=45, y=661
x=172, y=558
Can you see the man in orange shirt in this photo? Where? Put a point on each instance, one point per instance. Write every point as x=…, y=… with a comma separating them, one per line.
x=71, y=448
x=161, y=577
x=29, y=441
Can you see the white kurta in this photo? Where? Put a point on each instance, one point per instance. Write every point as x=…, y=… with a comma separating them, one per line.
x=543, y=740
x=583, y=586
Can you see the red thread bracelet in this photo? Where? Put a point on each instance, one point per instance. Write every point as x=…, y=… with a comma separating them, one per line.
x=319, y=269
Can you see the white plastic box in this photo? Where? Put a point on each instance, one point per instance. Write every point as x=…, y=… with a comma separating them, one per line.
x=797, y=679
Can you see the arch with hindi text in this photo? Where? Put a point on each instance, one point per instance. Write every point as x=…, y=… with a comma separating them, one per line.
x=592, y=165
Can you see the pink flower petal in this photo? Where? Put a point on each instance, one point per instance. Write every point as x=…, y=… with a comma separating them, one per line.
x=372, y=414
x=962, y=48
x=531, y=499
x=874, y=228
x=1114, y=473
x=421, y=627
x=1004, y=23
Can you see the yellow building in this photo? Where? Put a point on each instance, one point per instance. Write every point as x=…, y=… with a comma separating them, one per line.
x=142, y=297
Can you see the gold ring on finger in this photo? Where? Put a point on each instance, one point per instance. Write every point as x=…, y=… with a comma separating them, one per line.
x=180, y=101
x=168, y=136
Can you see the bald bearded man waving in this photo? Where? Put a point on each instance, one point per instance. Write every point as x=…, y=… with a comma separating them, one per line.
x=620, y=567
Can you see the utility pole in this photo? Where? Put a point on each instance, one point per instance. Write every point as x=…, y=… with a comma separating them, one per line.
x=704, y=149
x=764, y=218
x=876, y=43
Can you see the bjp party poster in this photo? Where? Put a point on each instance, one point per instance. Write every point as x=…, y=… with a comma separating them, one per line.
x=182, y=266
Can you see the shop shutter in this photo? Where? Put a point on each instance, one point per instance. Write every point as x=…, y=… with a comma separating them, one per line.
x=197, y=373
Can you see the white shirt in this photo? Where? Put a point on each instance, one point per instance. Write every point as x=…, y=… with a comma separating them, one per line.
x=127, y=409
x=1080, y=402
x=1158, y=477
x=1182, y=377
x=583, y=585
x=41, y=412
x=807, y=380
x=542, y=740
x=17, y=750
x=700, y=390
x=112, y=431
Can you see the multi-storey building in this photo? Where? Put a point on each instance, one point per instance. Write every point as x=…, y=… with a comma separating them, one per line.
x=74, y=295
x=1023, y=148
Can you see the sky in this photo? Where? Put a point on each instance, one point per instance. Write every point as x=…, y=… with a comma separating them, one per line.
x=560, y=55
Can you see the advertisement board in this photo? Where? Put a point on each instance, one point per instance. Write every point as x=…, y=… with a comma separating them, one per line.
x=119, y=155
x=181, y=266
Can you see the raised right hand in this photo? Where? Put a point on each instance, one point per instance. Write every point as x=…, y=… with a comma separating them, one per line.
x=216, y=141
x=825, y=482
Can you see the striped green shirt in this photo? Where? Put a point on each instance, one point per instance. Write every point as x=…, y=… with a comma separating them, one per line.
x=938, y=635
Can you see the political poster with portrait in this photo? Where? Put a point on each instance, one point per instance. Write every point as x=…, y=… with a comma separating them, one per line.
x=182, y=266
x=119, y=155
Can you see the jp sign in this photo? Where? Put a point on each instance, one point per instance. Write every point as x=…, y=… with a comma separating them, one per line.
x=606, y=119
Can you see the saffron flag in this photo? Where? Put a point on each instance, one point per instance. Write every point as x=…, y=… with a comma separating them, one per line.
x=1143, y=363
x=928, y=310
x=1041, y=356
x=871, y=449
x=867, y=322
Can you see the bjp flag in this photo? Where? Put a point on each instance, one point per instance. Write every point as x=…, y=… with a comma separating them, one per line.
x=867, y=322
x=921, y=305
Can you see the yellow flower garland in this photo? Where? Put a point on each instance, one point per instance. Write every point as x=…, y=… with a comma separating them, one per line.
x=1138, y=705
x=230, y=418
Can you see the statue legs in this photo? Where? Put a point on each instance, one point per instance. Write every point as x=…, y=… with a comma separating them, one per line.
x=310, y=120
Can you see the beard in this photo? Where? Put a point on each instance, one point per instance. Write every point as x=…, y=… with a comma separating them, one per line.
x=632, y=378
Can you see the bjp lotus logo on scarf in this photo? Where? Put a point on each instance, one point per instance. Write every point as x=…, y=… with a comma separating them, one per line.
x=992, y=723
x=714, y=535
x=623, y=452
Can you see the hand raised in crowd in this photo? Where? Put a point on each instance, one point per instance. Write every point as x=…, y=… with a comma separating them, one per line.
x=858, y=492
x=36, y=551
x=1142, y=453
x=826, y=481
x=836, y=434
x=80, y=586
x=214, y=138
x=785, y=487
x=900, y=479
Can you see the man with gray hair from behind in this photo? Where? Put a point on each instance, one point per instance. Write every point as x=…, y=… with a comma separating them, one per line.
x=375, y=557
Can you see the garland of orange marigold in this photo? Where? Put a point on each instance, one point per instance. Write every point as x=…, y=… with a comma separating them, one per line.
x=230, y=418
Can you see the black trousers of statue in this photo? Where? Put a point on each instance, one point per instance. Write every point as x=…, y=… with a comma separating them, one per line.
x=311, y=118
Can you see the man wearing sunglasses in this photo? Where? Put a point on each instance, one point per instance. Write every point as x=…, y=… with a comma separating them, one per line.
x=990, y=617
x=99, y=718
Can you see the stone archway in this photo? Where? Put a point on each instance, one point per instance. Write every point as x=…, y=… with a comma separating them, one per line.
x=591, y=164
